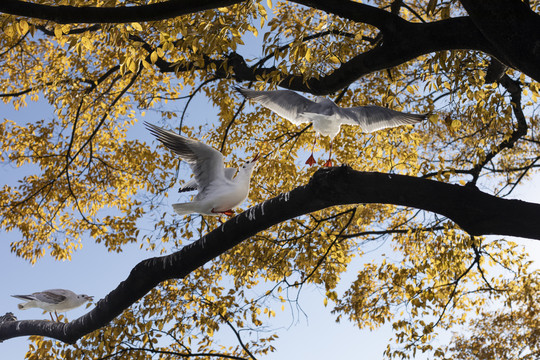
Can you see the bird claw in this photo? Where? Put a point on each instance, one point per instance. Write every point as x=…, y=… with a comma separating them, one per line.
x=311, y=160
x=328, y=163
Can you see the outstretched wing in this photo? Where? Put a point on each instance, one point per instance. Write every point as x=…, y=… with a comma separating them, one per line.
x=285, y=103
x=205, y=161
x=372, y=118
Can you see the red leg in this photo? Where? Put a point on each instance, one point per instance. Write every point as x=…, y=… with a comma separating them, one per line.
x=311, y=160
x=328, y=162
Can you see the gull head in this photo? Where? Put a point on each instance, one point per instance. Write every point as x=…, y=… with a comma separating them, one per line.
x=84, y=297
x=248, y=166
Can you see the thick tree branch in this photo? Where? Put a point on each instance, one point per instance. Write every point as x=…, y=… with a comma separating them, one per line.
x=511, y=28
x=402, y=40
x=367, y=14
x=64, y=14
x=403, y=43
x=474, y=211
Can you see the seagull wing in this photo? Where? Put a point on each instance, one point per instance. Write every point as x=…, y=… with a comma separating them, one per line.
x=285, y=103
x=372, y=118
x=189, y=186
x=229, y=172
x=205, y=161
x=49, y=297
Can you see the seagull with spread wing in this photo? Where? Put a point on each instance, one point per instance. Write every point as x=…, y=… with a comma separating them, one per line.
x=326, y=116
x=53, y=300
x=219, y=191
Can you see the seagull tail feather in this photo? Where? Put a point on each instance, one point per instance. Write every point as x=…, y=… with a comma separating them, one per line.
x=184, y=208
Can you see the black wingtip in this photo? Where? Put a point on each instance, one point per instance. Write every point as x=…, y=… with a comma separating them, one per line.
x=242, y=91
x=151, y=127
x=189, y=188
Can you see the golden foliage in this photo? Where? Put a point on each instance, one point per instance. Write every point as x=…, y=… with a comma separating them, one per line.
x=85, y=177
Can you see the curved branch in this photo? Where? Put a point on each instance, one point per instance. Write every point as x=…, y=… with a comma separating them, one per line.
x=514, y=88
x=474, y=211
x=512, y=28
x=404, y=42
x=487, y=30
x=367, y=14
x=64, y=14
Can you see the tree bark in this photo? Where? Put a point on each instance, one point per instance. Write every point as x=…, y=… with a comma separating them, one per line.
x=512, y=28
x=476, y=212
x=505, y=29
x=65, y=14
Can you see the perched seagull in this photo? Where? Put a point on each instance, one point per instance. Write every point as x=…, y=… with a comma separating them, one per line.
x=326, y=115
x=53, y=300
x=219, y=192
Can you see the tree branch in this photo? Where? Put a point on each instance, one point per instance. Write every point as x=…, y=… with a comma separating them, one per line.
x=514, y=88
x=511, y=28
x=64, y=14
x=474, y=211
x=505, y=29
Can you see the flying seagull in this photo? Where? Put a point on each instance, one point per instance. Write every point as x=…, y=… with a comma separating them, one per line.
x=218, y=191
x=53, y=300
x=326, y=116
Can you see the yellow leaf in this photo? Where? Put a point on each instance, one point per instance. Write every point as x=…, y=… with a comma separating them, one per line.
x=58, y=32
x=153, y=57
x=269, y=3
x=86, y=43
x=24, y=26
x=334, y=59
x=137, y=26
x=308, y=55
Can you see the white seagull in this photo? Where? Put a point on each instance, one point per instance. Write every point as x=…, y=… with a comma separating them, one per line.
x=192, y=184
x=326, y=116
x=53, y=300
x=219, y=192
